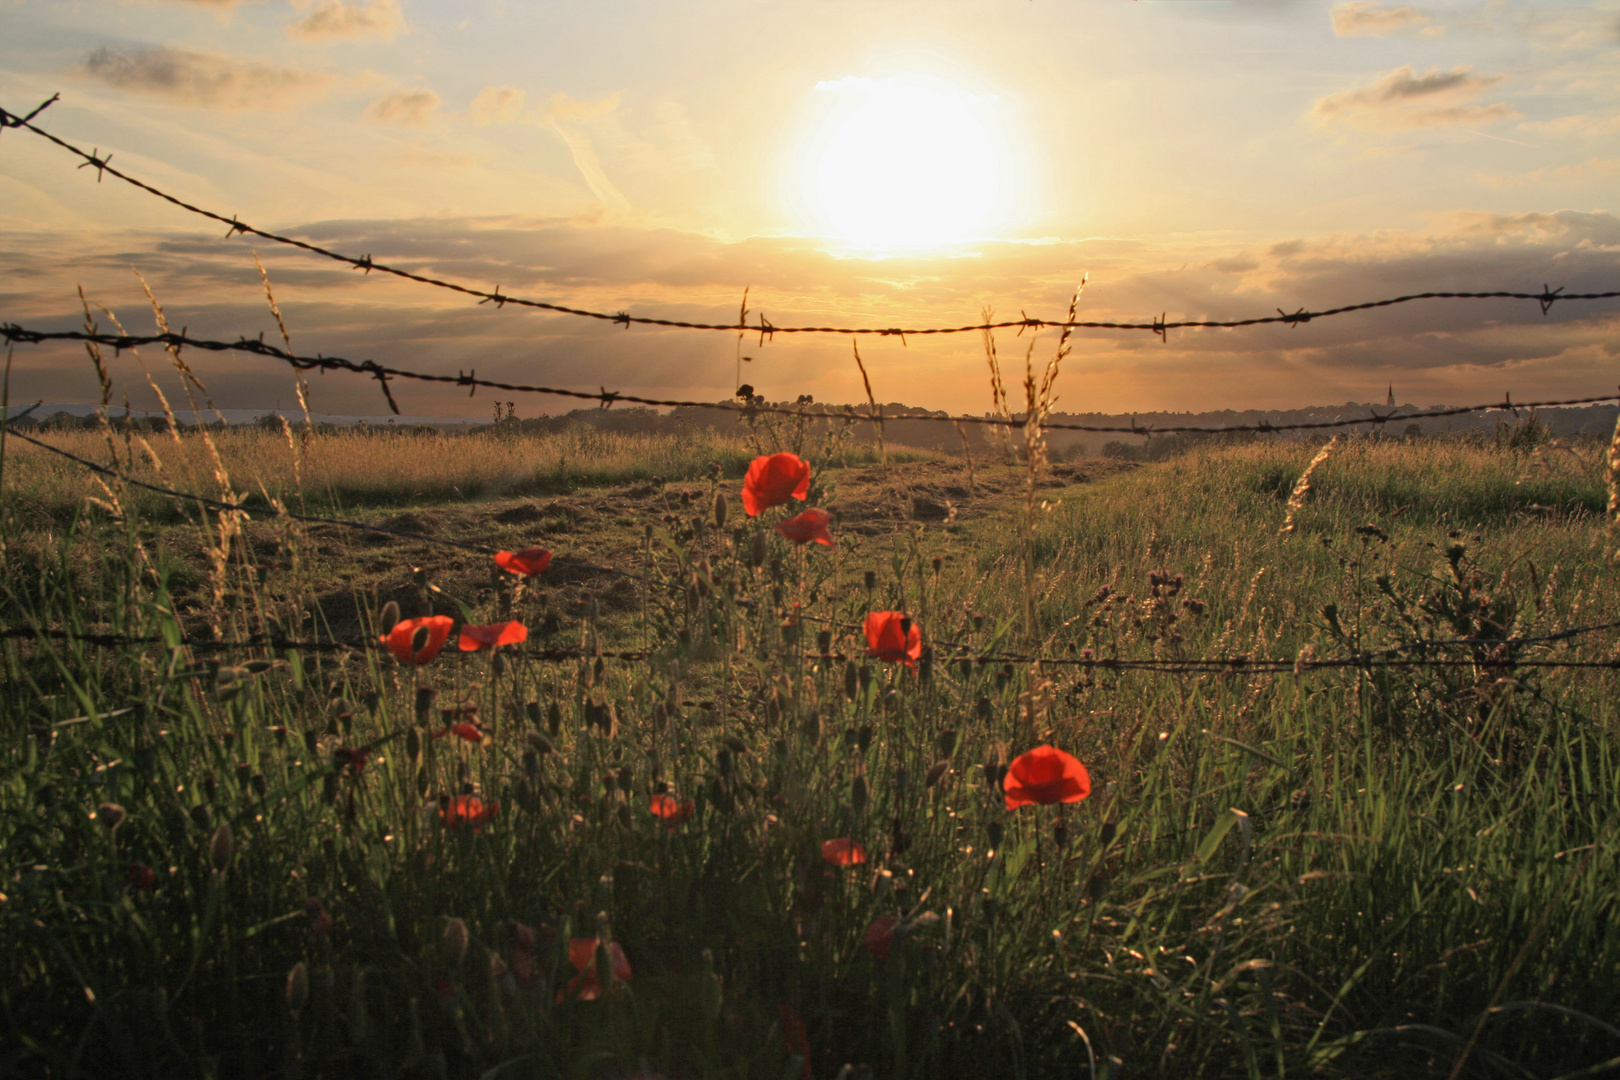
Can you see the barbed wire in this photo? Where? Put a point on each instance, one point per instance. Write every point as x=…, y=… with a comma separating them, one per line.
x=1229, y=665
x=13, y=333
x=1160, y=326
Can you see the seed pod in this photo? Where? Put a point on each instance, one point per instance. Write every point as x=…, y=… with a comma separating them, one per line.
x=220, y=848
x=1060, y=834
x=994, y=833
x=851, y=680
x=258, y=784
x=719, y=510
x=863, y=738
x=947, y=742
x=413, y=746
x=531, y=711
x=925, y=664
x=759, y=549
x=870, y=579
x=554, y=718
x=936, y=772
x=424, y=702
x=1107, y=833
x=531, y=763
x=824, y=642
x=388, y=617
x=858, y=794
x=983, y=706
x=866, y=675
x=455, y=943
x=540, y=743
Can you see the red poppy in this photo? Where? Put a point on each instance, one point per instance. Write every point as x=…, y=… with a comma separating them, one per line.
x=843, y=852
x=403, y=640
x=582, y=954
x=891, y=635
x=880, y=936
x=492, y=636
x=670, y=809
x=467, y=732
x=772, y=480
x=795, y=1039
x=142, y=876
x=468, y=810
x=1045, y=775
x=806, y=527
x=528, y=562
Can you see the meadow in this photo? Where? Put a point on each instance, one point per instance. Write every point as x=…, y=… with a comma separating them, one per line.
x=710, y=819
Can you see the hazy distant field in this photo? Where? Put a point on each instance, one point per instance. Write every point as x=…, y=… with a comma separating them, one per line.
x=1364, y=871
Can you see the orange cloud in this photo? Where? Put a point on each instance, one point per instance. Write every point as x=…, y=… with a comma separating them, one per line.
x=1403, y=99
x=412, y=108
x=203, y=80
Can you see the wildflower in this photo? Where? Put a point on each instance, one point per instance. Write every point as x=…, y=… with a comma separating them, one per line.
x=880, y=936
x=351, y=758
x=468, y=810
x=843, y=852
x=806, y=527
x=1045, y=775
x=142, y=877
x=492, y=636
x=774, y=479
x=891, y=635
x=418, y=641
x=528, y=562
x=466, y=732
x=670, y=809
x=582, y=954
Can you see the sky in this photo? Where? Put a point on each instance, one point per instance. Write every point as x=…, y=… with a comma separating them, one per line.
x=872, y=163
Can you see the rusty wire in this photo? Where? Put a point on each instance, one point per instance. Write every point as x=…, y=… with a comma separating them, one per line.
x=382, y=373
x=765, y=328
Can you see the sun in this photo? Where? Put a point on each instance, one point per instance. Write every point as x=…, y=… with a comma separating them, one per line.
x=906, y=163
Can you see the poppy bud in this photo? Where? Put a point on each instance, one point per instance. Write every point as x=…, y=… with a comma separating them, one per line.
x=947, y=742
x=540, y=743
x=891, y=702
x=424, y=701
x=243, y=772
x=626, y=780
x=497, y=663
x=388, y=617
x=994, y=833
x=258, y=784
x=925, y=664
x=851, y=680
x=759, y=549
x=936, y=772
x=413, y=746
x=142, y=876
x=297, y=989
x=553, y=718
x=871, y=580
x=210, y=786
x=1060, y=834
x=857, y=795
x=824, y=642
x=455, y=942
x=865, y=675
x=722, y=759
x=531, y=712
x=110, y=814
x=329, y=789
x=983, y=705
x=810, y=727
x=863, y=738
x=200, y=816
x=219, y=849
x=719, y=510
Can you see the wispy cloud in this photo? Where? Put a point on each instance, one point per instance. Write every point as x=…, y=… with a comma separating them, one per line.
x=335, y=19
x=203, y=80
x=563, y=114
x=1367, y=18
x=412, y=108
x=496, y=105
x=1403, y=99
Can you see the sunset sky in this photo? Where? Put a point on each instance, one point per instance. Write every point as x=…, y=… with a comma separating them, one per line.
x=865, y=163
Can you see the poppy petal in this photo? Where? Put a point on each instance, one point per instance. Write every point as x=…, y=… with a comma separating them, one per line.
x=810, y=526
x=528, y=562
x=1043, y=776
x=492, y=635
x=418, y=641
x=773, y=479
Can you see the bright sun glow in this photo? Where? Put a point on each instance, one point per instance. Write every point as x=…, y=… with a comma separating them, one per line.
x=906, y=163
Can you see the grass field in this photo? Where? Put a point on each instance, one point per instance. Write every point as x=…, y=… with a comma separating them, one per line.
x=288, y=860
